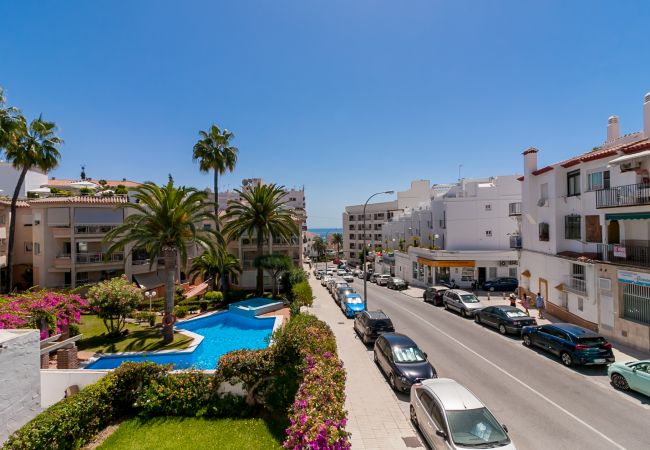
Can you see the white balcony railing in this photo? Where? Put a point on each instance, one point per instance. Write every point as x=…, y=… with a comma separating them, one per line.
x=99, y=258
x=576, y=284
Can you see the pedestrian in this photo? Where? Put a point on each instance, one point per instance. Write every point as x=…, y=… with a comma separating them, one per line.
x=539, y=303
x=513, y=300
x=525, y=303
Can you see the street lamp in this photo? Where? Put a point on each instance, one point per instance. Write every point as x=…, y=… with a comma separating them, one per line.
x=365, y=254
x=150, y=296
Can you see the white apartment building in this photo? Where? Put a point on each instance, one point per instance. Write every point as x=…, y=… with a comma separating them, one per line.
x=22, y=261
x=376, y=215
x=586, y=234
x=34, y=179
x=471, y=235
x=295, y=197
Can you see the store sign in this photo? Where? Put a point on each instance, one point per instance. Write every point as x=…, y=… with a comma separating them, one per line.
x=640, y=279
x=619, y=251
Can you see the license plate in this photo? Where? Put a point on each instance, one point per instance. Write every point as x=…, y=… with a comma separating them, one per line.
x=599, y=360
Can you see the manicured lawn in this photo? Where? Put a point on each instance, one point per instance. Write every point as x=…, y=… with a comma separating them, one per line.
x=140, y=338
x=192, y=433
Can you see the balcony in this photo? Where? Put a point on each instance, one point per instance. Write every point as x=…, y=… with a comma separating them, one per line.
x=515, y=241
x=514, y=209
x=62, y=261
x=626, y=254
x=99, y=258
x=628, y=195
x=93, y=229
x=61, y=232
x=576, y=284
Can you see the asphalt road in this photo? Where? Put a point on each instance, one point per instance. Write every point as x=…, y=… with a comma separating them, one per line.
x=544, y=404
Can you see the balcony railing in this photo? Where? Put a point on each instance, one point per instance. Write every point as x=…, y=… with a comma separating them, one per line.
x=515, y=241
x=576, y=284
x=628, y=195
x=626, y=254
x=93, y=229
x=514, y=209
x=98, y=258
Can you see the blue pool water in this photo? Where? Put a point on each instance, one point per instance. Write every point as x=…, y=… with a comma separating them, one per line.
x=256, y=302
x=222, y=333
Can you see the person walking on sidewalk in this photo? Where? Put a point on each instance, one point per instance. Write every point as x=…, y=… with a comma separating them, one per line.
x=525, y=302
x=513, y=300
x=539, y=302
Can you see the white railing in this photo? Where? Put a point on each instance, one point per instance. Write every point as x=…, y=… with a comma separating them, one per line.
x=98, y=258
x=576, y=284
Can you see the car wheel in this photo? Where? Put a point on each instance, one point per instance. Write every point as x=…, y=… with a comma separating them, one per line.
x=391, y=380
x=502, y=329
x=414, y=417
x=566, y=358
x=477, y=319
x=527, y=341
x=620, y=382
x=491, y=289
x=463, y=313
x=446, y=305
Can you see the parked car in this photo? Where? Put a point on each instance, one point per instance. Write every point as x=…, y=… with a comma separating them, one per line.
x=370, y=324
x=342, y=292
x=501, y=284
x=633, y=375
x=573, y=344
x=325, y=279
x=347, y=276
x=382, y=280
x=356, y=272
x=449, y=284
x=396, y=283
x=402, y=361
x=341, y=272
x=319, y=274
x=336, y=285
x=433, y=294
x=505, y=318
x=352, y=304
x=373, y=277
x=450, y=416
x=464, y=302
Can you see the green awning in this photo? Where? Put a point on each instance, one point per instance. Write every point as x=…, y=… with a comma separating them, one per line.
x=628, y=216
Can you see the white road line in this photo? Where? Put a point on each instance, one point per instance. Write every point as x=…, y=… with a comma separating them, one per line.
x=539, y=394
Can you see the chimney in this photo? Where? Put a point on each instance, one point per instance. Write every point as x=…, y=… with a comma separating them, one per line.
x=613, y=129
x=530, y=160
x=646, y=115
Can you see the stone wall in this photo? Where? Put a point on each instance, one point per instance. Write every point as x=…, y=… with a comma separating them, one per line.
x=20, y=384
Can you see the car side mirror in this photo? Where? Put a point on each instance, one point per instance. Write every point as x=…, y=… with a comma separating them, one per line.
x=505, y=428
x=633, y=369
x=442, y=434
x=425, y=355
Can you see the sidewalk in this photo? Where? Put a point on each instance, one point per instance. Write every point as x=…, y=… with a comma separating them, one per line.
x=376, y=420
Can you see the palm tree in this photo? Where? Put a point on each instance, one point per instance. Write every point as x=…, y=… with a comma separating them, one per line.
x=337, y=239
x=31, y=146
x=274, y=264
x=8, y=121
x=260, y=211
x=163, y=222
x=214, y=152
x=319, y=246
x=212, y=265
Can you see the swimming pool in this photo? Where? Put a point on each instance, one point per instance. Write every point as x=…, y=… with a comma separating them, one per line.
x=222, y=333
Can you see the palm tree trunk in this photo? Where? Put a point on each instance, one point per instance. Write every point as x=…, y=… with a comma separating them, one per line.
x=260, y=271
x=216, y=225
x=12, y=229
x=170, y=269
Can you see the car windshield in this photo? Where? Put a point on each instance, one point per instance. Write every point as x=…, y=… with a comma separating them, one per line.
x=353, y=300
x=382, y=323
x=408, y=355
x=475, y=428
x=469, y=298
x=517, y=313
x=398, y=280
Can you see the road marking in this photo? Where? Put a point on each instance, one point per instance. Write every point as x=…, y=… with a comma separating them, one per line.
x=539, y=394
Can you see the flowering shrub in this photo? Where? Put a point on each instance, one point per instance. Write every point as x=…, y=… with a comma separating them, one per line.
x=30, y=309
x=113, y=300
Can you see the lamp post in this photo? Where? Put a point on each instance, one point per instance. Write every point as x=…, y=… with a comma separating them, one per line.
x=150, y=296
x=365, y=254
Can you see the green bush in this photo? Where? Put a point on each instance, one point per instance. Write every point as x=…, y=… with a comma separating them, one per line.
x=114, y=300
x=180, y=311
x=301, y=295
x=213, y=297
x=146, y=316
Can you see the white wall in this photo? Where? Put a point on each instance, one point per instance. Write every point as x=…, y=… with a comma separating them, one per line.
x=55, y=382
x=9, y=177
x=19, y=379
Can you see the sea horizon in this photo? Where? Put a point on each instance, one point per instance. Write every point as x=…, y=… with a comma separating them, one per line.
x=322, y=232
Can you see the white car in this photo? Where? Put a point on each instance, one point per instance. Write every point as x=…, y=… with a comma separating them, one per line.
x=382, y=280
x=348, y=277
x=325, y=279
x=450, y=416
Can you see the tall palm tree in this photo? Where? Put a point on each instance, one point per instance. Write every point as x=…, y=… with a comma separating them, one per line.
x=8, y=121
x=260, y=211
x=337, y=239
x=319, y=246
x=214, y=153
x=212, y=265
x=31, y=146
x=163, y=222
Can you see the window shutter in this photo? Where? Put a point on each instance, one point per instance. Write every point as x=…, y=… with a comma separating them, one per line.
x=593, y=228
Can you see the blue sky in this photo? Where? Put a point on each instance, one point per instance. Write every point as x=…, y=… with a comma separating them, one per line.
x=343, y=97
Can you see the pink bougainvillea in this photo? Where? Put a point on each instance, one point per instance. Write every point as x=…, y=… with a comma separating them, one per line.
x=28, y=310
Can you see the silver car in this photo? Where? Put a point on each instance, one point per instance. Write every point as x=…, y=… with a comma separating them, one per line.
x=382, y=280
x=450, y=416
x=464, y=302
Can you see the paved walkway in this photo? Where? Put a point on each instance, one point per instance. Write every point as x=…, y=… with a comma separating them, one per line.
x=376, y=420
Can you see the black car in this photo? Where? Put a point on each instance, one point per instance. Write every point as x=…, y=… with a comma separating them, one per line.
x=433, y=294
x=501, y=284
x=400, y=359
x=396, y=283
x=573, y=344
x=369, y=273
x=370, y=324
x=507, y=319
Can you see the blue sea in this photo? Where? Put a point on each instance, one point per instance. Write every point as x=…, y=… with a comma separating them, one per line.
x=322, y=232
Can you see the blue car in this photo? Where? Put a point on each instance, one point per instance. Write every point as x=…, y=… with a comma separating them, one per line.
x=352, y=304
x=573, y=344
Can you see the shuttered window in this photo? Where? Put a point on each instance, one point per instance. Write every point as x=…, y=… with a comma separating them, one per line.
x=593, y=229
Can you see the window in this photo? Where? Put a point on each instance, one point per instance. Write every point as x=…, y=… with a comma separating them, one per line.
x=581, y=304
x=352, y=217
x=636, y=302
x=352, y=245
x=351, y=227
x=353, y=255
x=593, y=230
x=488, y=233
x=207, y=226
x=37, y=248
x=492, y=273
x=512, y=272
x=578, y=271
x=543, y=231
x=352, y=236
x=573, y=183
x=598, y=180
x=28, y=247
x=572, y=227
x=415, y=271
x=488, y=207
x=543, y=192
x=2, y=219
x=426, y=399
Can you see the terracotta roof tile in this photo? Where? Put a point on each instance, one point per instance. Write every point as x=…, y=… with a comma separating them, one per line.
x=542, y=170
x=19, y=203
x=637, y=147
x=114, y=200
x=521, y=178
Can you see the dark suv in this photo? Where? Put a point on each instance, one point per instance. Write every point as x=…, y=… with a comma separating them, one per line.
x=370, y=324
x=573, y=344
x=501, y=285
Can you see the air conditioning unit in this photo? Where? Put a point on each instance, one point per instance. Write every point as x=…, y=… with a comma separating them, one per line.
x=503, y=263
x=632, y=165
x=542, y=202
